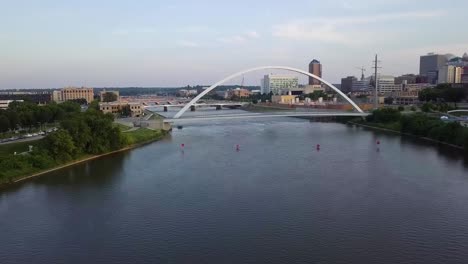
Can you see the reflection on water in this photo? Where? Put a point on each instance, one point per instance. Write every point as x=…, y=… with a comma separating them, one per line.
x=276, y=199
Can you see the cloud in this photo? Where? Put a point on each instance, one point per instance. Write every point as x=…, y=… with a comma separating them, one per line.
x=188, y=44
x=141, y=30
x=339, y=29
x=253, y=34
x=239, y=39
x=194, y=29
x=233, y=39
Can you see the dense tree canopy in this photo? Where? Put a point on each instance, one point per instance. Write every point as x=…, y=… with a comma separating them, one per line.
x=442, y=93
x=109, y=97
x=26, y=114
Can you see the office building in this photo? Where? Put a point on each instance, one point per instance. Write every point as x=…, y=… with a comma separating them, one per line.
x=406, y=78
x=74, y=93
x=237, y=93
x=347, y=83
x=430, y=64
x=315, y=68
x=362, y=85
x=38, y=97
x=279, y=84
x=464, y=76
x=136, y=109
x=450, y=74
x=386, y=84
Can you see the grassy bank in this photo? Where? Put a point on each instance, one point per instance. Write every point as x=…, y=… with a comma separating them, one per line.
x=28, y=166
x=18, y=147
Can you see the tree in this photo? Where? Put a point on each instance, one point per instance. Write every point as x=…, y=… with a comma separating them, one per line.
x=426, y=107
x=384, y=115
x=60, y=145
x=70, y=107
x=80, y=101
x=109, y=97
x=126, y=111
x=4, y=123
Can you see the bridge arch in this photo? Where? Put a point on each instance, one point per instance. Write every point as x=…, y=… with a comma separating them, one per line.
x=198, y=97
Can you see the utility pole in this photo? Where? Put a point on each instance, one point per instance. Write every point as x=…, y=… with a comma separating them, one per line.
x=376, y=82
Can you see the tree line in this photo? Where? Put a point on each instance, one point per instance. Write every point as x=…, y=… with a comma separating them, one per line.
x=80, y=134
x=25, y=115
x=422, y=125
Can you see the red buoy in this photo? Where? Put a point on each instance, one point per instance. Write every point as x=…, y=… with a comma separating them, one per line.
x=237, y=147
x=378, y=142
x=182, y=145
x=318, y=146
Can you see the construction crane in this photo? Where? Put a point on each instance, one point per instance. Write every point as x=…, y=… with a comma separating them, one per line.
x=362, y=71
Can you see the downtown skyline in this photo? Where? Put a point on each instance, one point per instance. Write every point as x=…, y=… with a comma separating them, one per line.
x=50, y=44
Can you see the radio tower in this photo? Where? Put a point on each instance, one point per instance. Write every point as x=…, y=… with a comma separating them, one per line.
x=362, y=72
x=376, y=82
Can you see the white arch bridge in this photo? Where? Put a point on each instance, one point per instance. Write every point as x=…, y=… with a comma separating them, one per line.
x=177, y=116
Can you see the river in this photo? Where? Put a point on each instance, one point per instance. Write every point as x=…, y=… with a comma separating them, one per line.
x=275, y=200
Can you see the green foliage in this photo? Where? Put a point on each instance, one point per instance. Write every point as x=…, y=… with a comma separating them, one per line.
x=27, y=115
x=4, y=123
x=384, y=115
x=60, y=146
x=316, y=95
x=413, y=108
x=109, y=97
x=80, y=101
x=93, y=106
x=401, y=108
x=81, y=134
x=143, y=135
x=426, y=107
x=125, y=111
x=442, y=93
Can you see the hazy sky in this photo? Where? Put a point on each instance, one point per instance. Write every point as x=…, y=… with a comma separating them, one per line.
x=51, y=43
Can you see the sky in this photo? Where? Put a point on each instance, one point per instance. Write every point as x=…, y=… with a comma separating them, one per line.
x=160, y=43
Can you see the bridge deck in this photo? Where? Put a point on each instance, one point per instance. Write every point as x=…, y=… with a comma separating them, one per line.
x=260, y=115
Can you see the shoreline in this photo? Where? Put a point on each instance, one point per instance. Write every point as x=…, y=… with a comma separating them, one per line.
x=76, y=162
x=405, y=134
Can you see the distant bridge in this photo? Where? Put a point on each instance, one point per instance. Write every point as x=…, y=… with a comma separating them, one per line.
x=237, y=104
x=263, y=115
x=458, y=111
x=198, y=97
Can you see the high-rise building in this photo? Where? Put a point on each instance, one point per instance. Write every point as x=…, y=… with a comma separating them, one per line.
x=464, y=77
x=347, y=83
x=315, y=68
x=429, y=65
x=279, y=84
x=450, y=74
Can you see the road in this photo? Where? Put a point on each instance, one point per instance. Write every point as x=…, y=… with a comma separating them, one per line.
x=23, y=140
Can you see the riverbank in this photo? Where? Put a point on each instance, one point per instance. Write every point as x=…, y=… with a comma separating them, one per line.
x=376, y=127
x=137, y=139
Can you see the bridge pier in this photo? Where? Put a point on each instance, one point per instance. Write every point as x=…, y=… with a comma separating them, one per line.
x=218, y=107
x=192, y=108
x=165, y=109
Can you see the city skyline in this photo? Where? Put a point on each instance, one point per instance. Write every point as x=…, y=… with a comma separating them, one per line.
x=176, y=43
